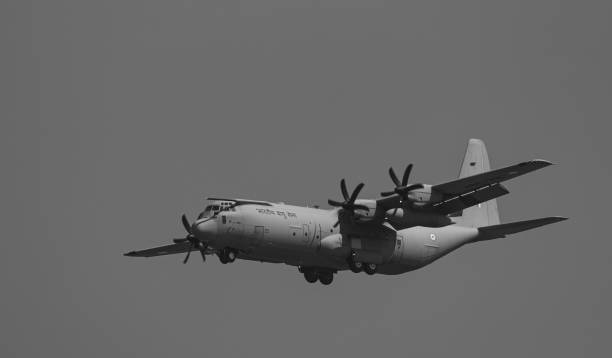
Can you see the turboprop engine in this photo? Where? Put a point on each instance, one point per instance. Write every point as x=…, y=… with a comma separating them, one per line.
x=416, y=195
x=423, y=196
x=365, y=203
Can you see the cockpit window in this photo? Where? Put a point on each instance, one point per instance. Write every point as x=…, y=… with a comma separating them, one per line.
x=206, y=213
x=211, y=210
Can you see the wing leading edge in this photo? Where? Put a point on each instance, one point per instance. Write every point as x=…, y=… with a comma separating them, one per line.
x=474, y=182
x=178, y=248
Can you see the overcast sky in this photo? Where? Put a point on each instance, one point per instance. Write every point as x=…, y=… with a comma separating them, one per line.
x=119, y=116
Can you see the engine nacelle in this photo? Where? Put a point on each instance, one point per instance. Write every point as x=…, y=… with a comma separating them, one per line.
x=371, y=204
x=426, y=195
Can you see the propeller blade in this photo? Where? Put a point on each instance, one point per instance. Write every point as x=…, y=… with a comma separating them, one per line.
x=186, y=223
x=356, y=192
x=188, y=253
x=334, y=203
x=180, y=241
x=387, y=193
x=406, y=174
x=394, y=177
x=345, y=193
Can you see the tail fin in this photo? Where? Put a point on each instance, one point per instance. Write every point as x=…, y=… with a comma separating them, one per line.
x=476, y=161
x=499, y=231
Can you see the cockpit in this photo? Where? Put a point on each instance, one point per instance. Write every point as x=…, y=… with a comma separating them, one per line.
x=215, y=208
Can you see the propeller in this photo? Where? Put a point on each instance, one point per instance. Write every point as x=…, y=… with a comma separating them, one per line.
x=349, y=200
x=402, y=188
x=194, y=241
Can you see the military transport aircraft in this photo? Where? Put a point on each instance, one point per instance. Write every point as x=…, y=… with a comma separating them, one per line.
x=407, y=228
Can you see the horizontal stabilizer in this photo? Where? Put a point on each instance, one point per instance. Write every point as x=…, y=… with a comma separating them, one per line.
x=499, y=231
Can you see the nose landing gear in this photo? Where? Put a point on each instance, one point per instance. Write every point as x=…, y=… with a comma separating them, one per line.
x=227, y=255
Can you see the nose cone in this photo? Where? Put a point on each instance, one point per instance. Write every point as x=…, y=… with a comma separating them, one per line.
x=205, y=229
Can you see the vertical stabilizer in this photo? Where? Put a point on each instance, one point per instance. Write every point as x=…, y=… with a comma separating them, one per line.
x=476, y=161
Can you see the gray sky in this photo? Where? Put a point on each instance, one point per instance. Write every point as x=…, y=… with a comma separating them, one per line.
x=118, y=116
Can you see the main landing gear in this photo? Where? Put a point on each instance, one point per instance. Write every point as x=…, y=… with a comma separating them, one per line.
x=312, y=275
x=227, y=255
x=358, y=266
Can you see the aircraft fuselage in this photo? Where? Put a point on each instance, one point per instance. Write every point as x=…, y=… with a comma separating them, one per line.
x=306, y=237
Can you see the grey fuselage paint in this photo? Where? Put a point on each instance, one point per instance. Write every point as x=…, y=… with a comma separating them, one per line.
x=304, y=236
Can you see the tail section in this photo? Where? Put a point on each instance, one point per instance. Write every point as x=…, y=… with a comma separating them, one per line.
x=485, y=216
x=476, y=161
x=499, y=231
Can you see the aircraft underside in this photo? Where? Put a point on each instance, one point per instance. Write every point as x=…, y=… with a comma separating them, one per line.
x=318, y=263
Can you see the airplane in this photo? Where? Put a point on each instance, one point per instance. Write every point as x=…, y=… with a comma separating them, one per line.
x=406, y=228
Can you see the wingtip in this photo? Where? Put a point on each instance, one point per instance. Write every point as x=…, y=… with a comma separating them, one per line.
x=543, y=162
x=130, y=254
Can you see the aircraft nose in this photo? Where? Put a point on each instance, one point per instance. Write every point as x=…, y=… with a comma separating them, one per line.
x=205, y=229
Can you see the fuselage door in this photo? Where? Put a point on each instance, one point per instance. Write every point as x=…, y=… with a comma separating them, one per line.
x=235, y=225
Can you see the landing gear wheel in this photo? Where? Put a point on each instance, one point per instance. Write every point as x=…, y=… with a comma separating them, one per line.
x=370, y=269
x=311, y=276
x=227, y=255
x=222, y=257
x=356, y=267
x=326, y=277
x=231, y=255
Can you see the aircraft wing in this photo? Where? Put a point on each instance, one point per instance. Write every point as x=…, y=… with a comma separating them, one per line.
x=465, y=192
x=178, y=248
x=475, y=189
x=479, y=181
x=450, y=204
x=469, y=199
x=238, y=202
